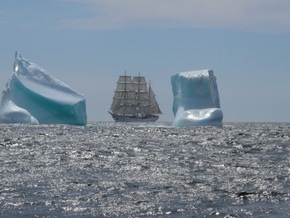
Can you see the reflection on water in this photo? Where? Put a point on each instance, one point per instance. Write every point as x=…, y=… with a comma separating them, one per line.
x=116, y=169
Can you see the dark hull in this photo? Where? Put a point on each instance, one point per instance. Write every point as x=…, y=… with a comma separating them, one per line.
x=121, y=118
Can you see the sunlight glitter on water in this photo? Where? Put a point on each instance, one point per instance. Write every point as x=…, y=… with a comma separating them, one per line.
x=108, y=169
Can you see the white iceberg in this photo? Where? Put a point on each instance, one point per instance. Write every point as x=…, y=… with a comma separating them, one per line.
x=196, y=99
x=33, y=96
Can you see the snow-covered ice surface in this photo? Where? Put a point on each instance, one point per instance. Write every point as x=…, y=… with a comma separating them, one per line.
x=196, y=99
x=145, y=170
x=33, y=96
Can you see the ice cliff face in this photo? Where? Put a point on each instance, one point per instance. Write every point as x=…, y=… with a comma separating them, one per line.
x=196, y=99
x=33, y=96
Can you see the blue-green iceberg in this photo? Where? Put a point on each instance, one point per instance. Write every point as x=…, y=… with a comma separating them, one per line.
x=33, y=96
x=196, y=99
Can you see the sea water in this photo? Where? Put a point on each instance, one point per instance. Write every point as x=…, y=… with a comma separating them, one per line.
x=108, y=169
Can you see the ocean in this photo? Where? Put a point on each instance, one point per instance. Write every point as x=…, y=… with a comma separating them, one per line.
x=108, y=169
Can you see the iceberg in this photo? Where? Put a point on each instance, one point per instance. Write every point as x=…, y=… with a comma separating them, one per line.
x=33, y=96
x=196, y=99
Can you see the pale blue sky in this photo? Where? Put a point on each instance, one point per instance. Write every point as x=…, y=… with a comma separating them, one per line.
x=88, y=43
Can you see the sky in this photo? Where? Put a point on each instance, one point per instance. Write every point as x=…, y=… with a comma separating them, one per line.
x=87, y=44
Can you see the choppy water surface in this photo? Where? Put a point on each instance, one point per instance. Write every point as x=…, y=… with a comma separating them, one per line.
x=127, y=170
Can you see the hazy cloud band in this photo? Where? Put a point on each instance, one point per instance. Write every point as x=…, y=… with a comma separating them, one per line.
x=250, y=15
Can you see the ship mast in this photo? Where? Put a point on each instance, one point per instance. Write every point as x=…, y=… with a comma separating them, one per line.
x=139, y=80
x=138, y=96
x=149, y=97
x=125, y=92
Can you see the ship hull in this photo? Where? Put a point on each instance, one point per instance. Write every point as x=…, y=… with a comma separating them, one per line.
x=120, y=118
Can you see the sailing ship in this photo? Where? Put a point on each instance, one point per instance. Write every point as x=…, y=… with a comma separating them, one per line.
x=134, y=101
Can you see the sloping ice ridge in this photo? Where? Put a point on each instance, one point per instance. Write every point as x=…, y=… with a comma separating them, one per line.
x=196, y=99
x=33, y=96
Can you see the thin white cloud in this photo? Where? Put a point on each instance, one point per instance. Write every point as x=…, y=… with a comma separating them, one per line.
x=253, y=15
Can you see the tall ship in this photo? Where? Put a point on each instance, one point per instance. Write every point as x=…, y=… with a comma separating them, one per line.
x=134, y=101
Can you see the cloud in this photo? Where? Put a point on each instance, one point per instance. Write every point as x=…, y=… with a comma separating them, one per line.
x=258, y=15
